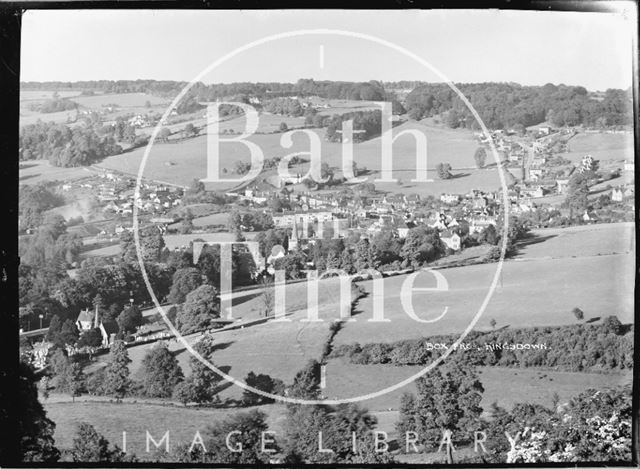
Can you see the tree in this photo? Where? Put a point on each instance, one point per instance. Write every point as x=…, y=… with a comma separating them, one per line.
x=33, y=429
x=326, y=172
x=306, y=383
x=577, y=312
x=91, y=446
x=493, y=323
x=577, y=193
x=261, y=382
x=283, y=127
x=160, y=372
x=185, y=280
x=130, y=319
x=444, y=170
x=190, y=130
x=199, y=309
x=90, y=338
x=250, y=426
x=164, y=134
x=489, y=235
x=75, y=380
x=448, y=400
x=55, y=327
x=480, y=156
x=421, y=245
x=68, y=333
x=613, y=325
x=200, y=385
x=117, y=382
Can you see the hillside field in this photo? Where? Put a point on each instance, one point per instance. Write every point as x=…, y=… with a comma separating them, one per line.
x=602, y=146
x=181, y=162
x=35, y=171
x=588, y=267
x=502, y=385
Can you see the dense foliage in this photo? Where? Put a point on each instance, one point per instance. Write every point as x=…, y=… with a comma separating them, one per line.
x=65, y=146
x=502, y=105
x=569, y=348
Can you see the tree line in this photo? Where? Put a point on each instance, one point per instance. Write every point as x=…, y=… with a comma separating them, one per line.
x=65, y=146
x=505, y=105
x=581, y=347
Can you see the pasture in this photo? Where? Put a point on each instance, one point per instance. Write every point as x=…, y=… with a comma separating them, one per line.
x=35, y=171
x=111, y=419
x=279, y=349
x=502, y=385
x=602, y=146
x=42, y=95
x=122, y=100
x=578, y=241
x=539, y=288
x=506, y=386
x=181, y=162
x=213, y=219
x=175, y=241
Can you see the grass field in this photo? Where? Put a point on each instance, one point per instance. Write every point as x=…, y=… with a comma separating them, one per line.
x=173, y=241
x=502, y=385
x=213, y=219
x=534, y=289
x=112, y=419
x=181, y=162
x=506, y=386
x=35, y=171
x=124, y=100
x=41, y=95
x=602, y=146
x=584, y=240
x=278, y=349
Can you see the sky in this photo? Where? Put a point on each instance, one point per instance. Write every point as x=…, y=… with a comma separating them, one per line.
x=593, y=50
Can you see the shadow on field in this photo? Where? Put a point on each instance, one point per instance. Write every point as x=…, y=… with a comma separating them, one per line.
x=216, y=347
x=459, y=175
x=354, y=309
x=29, y=176
x=244, y=299
x=534, y=239
x=590, y=320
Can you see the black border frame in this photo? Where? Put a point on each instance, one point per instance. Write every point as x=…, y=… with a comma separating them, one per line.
x=10, y=36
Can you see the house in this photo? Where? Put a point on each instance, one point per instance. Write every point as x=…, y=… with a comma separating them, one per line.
x=450, y=239
x=87, y=320
x=108, y=329
x=589, y=216
x=616, y=195
x=533, y=191
x=535, y=174
x=629, y=166
x=449, y=198
x=561, y=185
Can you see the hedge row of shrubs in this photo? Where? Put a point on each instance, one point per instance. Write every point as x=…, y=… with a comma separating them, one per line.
x=581, y=347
